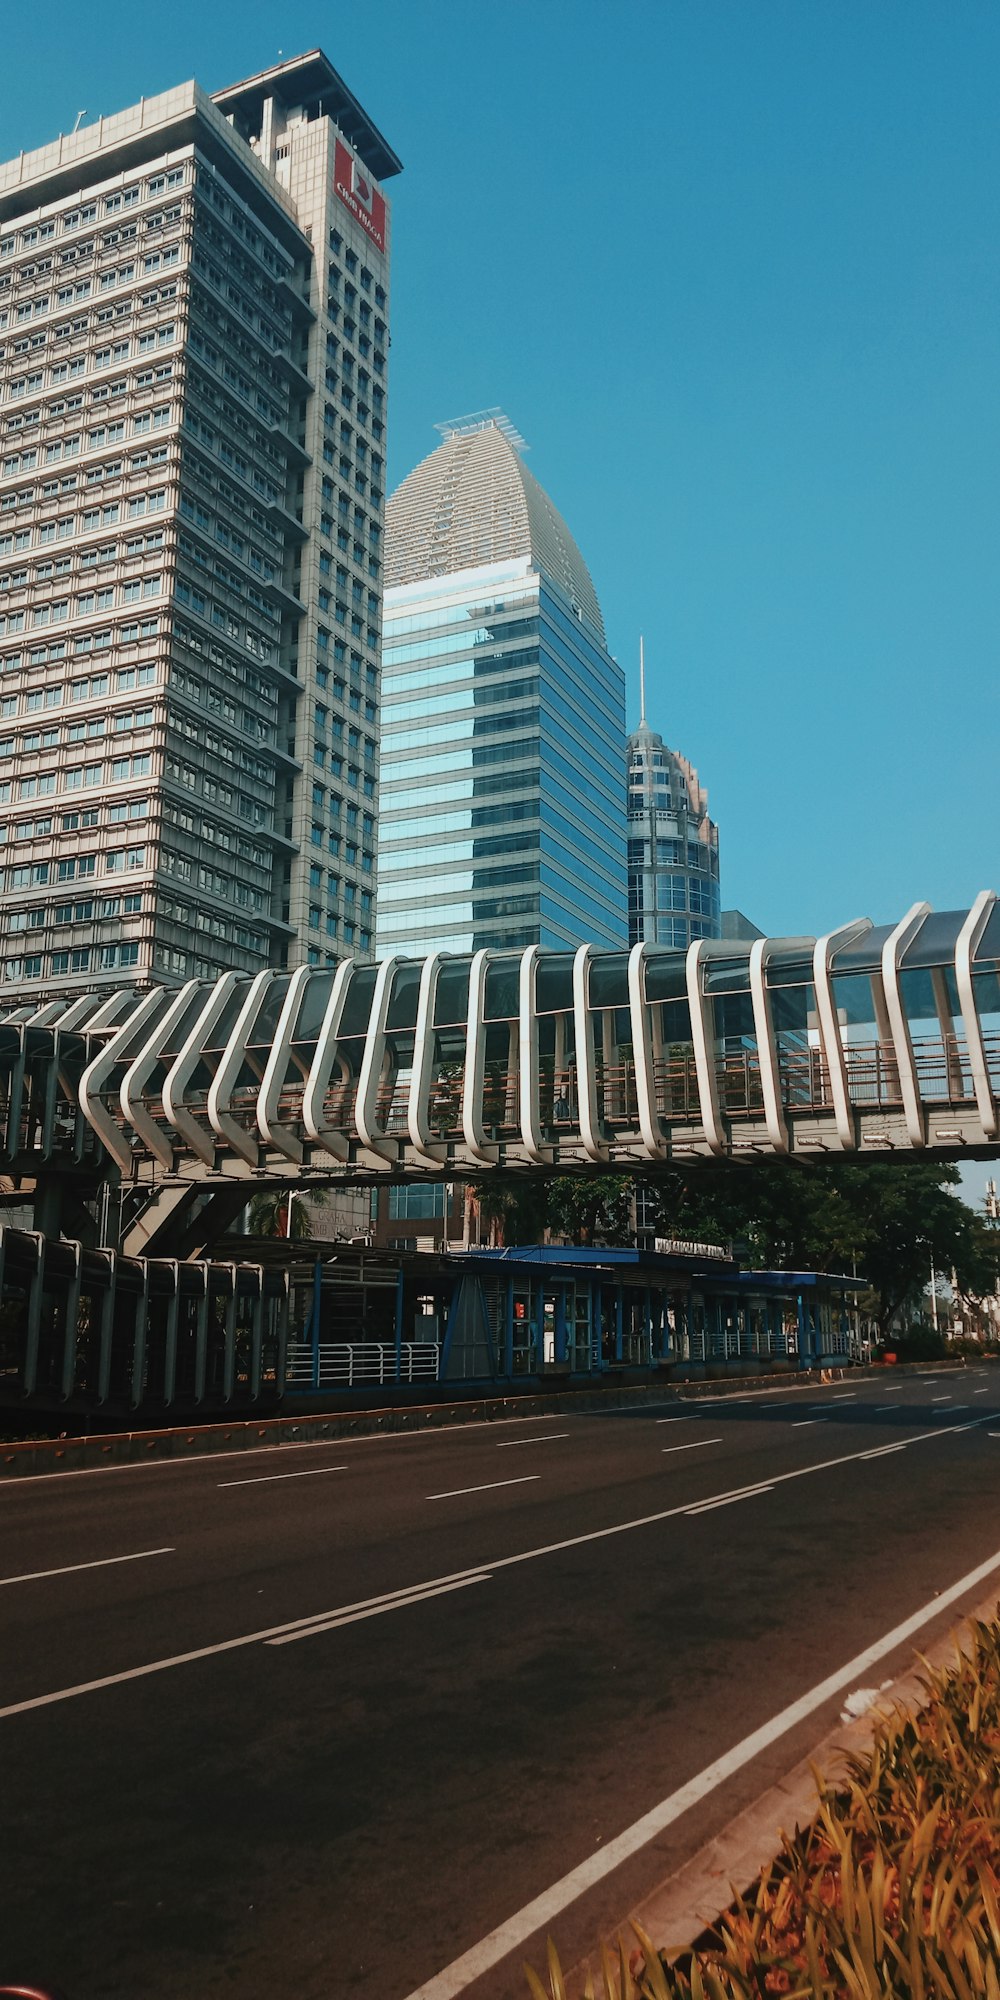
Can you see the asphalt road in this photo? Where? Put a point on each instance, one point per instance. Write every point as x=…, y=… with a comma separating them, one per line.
x=358, y=1705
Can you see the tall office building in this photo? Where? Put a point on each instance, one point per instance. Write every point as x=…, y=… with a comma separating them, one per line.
x=673, y=846
x=193, y=342
x=503, y=717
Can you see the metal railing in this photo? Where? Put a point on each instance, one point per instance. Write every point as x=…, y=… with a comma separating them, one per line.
x=347, y=1362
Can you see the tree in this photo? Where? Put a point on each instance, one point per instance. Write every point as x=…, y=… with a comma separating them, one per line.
x=513, y=1206
x=888, y=1221
x=593, y=1208
x=268, y=1212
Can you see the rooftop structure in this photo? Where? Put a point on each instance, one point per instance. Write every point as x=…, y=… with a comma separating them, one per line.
x=474, y=502
x=673, y=845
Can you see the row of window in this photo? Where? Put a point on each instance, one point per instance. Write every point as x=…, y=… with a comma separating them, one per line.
x=84, y=958
x=77, y=218
x=89, y=689
x=40, y=915
x=60, y=373
x=116, y=814
x=92, y=440
x=85, y=322
x=102, y=472
x=121, y=719
x=75, y=778
x=88, y=602
x=74, y=868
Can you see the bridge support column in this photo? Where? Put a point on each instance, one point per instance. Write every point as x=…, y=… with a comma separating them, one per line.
x=71, y=1320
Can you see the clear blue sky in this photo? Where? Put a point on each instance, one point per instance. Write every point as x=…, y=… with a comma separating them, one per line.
x=732, y=268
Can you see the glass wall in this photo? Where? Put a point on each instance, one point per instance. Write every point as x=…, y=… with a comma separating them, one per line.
x=502, y=820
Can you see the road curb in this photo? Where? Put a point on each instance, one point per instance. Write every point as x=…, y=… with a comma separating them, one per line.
x=686, y=1903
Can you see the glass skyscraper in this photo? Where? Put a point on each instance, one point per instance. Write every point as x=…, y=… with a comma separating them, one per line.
x=673, y=847
x=503, y=715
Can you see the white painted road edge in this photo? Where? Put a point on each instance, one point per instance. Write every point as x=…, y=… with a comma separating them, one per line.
x=545, y=1908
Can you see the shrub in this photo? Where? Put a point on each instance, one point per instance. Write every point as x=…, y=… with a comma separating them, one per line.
x=892, y=1890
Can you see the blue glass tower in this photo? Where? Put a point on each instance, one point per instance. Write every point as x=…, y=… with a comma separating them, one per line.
x=503, y=812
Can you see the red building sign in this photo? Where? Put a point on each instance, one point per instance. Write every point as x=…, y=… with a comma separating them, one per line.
x=359, y=193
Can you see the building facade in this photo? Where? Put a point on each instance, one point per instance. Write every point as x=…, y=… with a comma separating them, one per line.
x=673, y=847
x=503, y=718
x=193, y=353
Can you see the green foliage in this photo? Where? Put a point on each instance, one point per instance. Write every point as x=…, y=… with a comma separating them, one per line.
x=582, y=1208
x=514, y=1207
x=886, y=1220
x=597, y=1208
x=268, y=1213
x=892, y=1892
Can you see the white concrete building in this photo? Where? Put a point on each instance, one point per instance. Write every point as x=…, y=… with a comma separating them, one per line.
x=193, y=356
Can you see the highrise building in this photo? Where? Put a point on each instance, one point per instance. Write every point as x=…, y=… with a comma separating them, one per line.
x=673, y=846
x=503, y=719
x=193, y=353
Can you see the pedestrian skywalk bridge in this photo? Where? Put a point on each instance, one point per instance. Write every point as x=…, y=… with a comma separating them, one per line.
x=870, y=1041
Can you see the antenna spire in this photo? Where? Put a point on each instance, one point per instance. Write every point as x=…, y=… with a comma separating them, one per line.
x=642, y=681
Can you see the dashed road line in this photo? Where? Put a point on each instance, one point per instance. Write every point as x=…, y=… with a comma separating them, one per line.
x=489, y=1487
x=269, y=1478
x=695, y=1445
x=72, y=1569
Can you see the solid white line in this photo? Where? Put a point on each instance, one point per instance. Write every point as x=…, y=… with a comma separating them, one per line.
x=375, y=1611
x=70, y=1569
x=490, y=1487
x=695, y=1445
x=728, y=1499
x=479, y=1569
x=883, y=1450
x=268, y=1478
x=509, y=1443
x=537, y=1915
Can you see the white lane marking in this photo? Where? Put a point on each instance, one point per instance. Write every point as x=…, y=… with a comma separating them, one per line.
x=480, y=1569
x=695, y=1445
x=10, y=1482
x=845, y=1396
x=539, y=1914
x=71, y=1569
x=676, y=1420
x=883, y=1450
x=728, y=1499
x=268, y=1478
x=490, y=1487
x=375, y=1610
x=803, y=1423
x=980, y=1392
x=509, y=1443
x=940, y=1399
x=887, y=1406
